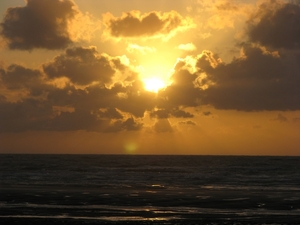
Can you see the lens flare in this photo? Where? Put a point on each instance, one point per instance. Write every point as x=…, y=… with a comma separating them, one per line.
x=130, y=147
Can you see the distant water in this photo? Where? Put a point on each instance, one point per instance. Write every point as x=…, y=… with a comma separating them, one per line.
x=146, y=189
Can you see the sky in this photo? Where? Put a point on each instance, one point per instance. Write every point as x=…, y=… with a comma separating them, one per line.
x=202, y=77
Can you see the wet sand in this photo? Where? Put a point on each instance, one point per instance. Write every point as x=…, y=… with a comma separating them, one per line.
x=151, y=205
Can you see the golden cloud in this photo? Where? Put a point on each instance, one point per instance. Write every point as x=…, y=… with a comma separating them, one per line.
x=149, y=25
x=187, y=47
x=142, y=49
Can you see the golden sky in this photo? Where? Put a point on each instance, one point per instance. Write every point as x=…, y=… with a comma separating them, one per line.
x=150, y=77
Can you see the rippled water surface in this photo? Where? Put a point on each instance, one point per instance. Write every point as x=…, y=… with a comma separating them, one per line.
x=147, y=189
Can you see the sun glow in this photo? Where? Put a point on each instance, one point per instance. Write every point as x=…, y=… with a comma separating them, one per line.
x=154, y=84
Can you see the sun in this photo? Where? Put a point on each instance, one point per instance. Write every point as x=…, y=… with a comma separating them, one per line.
x=154, y=84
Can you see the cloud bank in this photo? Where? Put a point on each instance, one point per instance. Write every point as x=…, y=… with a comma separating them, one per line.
x=82, y=89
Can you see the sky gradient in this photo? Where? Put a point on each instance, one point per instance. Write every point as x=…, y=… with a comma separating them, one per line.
x=150, y=77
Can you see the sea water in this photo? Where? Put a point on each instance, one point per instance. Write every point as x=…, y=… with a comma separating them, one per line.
x=146, y=189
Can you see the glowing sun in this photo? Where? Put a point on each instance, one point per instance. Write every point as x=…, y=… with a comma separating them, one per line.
x=154, y=84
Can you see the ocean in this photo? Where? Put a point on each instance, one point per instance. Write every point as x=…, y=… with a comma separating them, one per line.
x=149, y=189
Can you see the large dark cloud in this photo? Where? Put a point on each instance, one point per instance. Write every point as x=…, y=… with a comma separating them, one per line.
x=30, y=114
x=276, y=24
x=132, y=24
x=82, y=66
x=39, y=24
x=257, y=80
x=75, y=110
x=47, y=106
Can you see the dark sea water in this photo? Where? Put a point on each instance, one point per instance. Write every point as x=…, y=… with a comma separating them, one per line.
x=144, y=189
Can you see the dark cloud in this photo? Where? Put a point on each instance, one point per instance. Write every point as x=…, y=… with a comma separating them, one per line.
x=33, y=114
x=188, y=122
x=80, y=119
x=130, y=125
x=2, y=98
x=281, y=118
x=39, y=24
x=17, y=77
x=102, y=102
x=173, y=112
x=207, y=113
x=82, y=66
x=110, y=113
x=276, y=24
x=51, y=107
x=84, y=120
x=134, y=99
x=29, y=114
x=258, y=80
x=132, y=24
x=162, y=126
x=182, y=91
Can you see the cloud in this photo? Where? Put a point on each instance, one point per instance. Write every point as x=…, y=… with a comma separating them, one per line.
x=152, y=24
x=188, y=122
x=21, y=116
x=205, y=35
x=83, y=66
x=116, y=102
x=280, y=118
x=18, y=77
x=45, y=24
x=220, y=14
x=110, y=113
x=173, y=112
x=257, y=80
x=142, y=49
x=129, y=124
x=67, y=109
x=182, y=91
x=275, y=24
x=187, y=47
x=45, y=105
x=207, y=113
x=162, y=126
